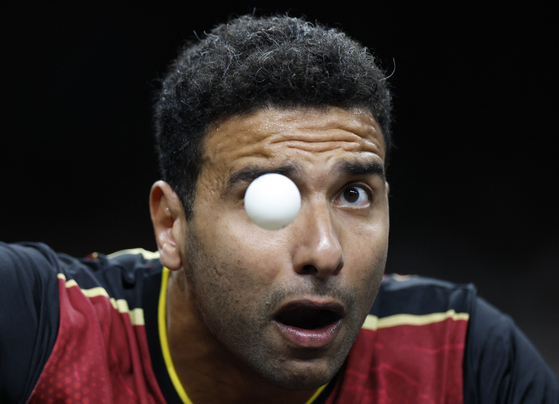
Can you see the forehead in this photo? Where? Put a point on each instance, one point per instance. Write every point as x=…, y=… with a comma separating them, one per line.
x=272, y=136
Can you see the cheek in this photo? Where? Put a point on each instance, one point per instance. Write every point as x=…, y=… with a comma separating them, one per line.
x=365, y=241
x=365, y=250
x=237, y=243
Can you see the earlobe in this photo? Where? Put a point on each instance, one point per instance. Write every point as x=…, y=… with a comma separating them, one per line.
x=167, y=216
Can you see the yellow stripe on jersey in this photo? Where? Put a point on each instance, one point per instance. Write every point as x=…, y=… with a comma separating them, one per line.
x=374, y=323
x=136, y=315
x=316, y=394
x=161, y=315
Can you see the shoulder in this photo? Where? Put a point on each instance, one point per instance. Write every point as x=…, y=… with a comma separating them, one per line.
x=37, y=284
x=38, y=257
x=501, y=364
x=29, y=316
x=29, y=268
x=416, y=295
x=120, y=274
x=439, y=323
x=20, y=260
x=28, y=273
x=430, y=338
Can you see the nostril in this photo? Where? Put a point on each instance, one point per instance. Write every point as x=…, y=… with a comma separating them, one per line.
x=321, y=271
x=310, y=269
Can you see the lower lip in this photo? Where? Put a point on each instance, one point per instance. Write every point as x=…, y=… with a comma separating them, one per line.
x=316, y=338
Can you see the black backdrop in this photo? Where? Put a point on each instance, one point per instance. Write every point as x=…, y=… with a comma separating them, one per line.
x=473, y=177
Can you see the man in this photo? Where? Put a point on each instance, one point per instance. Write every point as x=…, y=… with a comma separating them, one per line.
x=228, y=312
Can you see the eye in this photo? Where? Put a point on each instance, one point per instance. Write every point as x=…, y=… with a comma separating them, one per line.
x=354, y=196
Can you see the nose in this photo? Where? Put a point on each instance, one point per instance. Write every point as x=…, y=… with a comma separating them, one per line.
x=317, y=250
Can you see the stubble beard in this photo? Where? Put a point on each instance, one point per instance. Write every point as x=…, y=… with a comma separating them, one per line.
x=241, y=328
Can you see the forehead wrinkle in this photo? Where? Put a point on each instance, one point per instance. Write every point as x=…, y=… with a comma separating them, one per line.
x=321, y=140
x=272, y=126
x=356, y=123
x=320, y=147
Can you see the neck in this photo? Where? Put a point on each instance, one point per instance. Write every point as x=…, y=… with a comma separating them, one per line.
x=208, y=372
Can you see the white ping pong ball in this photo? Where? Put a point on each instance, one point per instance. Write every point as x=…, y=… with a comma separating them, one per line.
x=272, y=201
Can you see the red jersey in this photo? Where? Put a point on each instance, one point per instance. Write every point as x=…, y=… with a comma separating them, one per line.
x=89, y=331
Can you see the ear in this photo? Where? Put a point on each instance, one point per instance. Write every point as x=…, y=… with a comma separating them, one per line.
x=169, y=224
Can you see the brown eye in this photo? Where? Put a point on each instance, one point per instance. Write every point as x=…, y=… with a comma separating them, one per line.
x=354, y=196
x=351, y=195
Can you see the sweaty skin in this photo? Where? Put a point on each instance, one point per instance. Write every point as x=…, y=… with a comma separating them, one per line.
x=231, y=278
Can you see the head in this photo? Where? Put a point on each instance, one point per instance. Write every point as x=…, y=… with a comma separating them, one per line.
x=275, y=95
x=253, y=63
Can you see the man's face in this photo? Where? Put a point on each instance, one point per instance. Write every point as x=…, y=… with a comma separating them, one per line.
x=289, y=303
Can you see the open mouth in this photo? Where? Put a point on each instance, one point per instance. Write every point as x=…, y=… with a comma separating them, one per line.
x=308, y=316
x=308, y=324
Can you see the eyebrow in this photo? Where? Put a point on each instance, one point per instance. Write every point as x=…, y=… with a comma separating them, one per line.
x=360, y=168
x=250, y=173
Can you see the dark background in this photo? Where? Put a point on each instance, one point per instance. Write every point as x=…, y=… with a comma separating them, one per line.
x=473, y=177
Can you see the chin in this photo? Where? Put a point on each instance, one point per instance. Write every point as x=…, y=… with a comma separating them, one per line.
x=303, y=375
x=302, y=383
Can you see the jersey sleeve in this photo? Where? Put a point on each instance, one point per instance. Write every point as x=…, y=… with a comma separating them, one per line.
x=501, y=365
x=29, y=316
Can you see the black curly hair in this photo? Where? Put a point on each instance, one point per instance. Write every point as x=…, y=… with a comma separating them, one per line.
x=252, y=63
